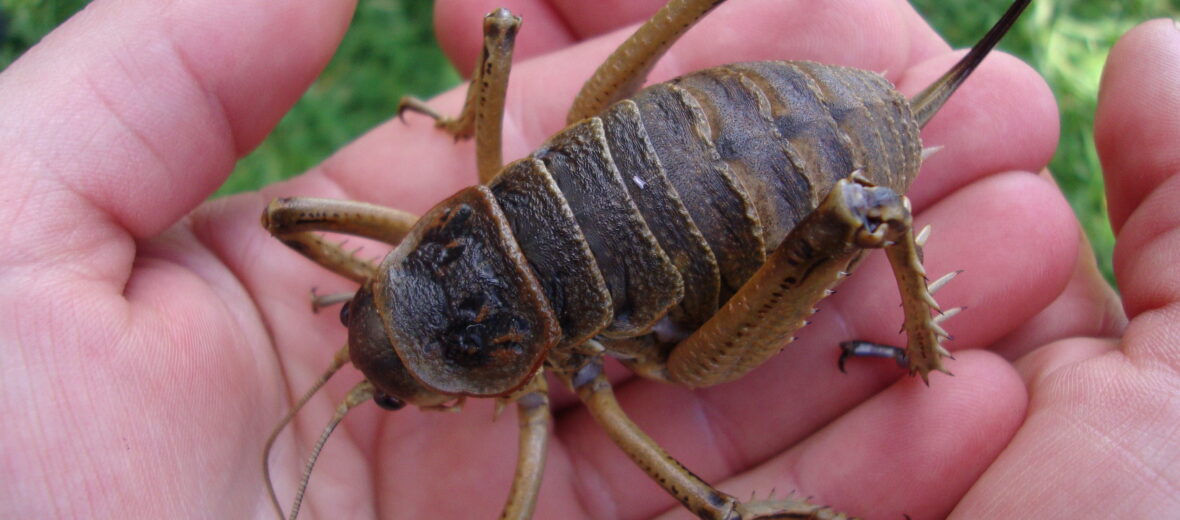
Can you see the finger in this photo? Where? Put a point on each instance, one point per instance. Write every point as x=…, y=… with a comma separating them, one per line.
x=800, y=390
x=471, y=456
x=553, y=24
x=1137, y=122
x=1099, y=418
x=130, y=114
x=1088, y=307
x=911, y=450
x=1136, y=128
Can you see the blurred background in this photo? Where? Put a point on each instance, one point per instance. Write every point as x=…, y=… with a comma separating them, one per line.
x=390, y=52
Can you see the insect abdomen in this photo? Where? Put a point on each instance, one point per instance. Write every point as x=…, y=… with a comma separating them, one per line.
x=717, y=167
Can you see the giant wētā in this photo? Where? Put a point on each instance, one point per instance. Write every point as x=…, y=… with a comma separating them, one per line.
x=686, y=229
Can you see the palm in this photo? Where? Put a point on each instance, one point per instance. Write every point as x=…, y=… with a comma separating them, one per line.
x=167, y=359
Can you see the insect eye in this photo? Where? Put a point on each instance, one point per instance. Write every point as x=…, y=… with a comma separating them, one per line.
x=388, y=402
x=344, y=313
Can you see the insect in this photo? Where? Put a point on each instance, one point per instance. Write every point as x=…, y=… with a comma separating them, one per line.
x=686, y=229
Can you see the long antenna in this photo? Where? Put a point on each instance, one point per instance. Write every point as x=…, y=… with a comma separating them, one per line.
x=359, y=394
x=927, y=102
x=338, y=360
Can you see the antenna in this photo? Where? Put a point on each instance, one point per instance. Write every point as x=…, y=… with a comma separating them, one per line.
x=359, y=394
x=338, y=360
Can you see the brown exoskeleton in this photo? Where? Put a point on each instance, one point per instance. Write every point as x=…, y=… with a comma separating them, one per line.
x=687, y=229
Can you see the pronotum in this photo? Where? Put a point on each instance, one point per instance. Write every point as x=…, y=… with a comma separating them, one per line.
x=687, y=229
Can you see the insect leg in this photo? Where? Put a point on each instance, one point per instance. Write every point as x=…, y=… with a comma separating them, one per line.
x=295, y=214
x=626, y=69
x=924, y=350
x=532, y=410
x=294, y=220
x=775, y=302
x=699, y=497
x=483, y=112
x=696, y=495
x=330, y=255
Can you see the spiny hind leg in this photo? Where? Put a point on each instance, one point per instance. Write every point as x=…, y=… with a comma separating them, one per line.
x=695, y=494
x=923, y=316
x=296, y=220
x=764, y=314
x=910, y=268
x=483, y=112
x=624, y=72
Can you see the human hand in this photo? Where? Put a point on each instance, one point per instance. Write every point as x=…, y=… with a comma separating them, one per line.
x=1100, y=436
x=150, y=350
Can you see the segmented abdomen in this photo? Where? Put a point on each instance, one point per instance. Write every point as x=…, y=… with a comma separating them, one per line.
x=668, y=201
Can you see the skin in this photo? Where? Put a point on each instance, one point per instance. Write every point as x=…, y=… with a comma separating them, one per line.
x=151, y=339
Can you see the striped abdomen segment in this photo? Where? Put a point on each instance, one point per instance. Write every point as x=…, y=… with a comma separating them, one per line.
x=669, y=201
x=789, y=130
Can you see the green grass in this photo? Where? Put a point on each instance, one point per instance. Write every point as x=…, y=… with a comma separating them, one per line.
x=390, y=52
